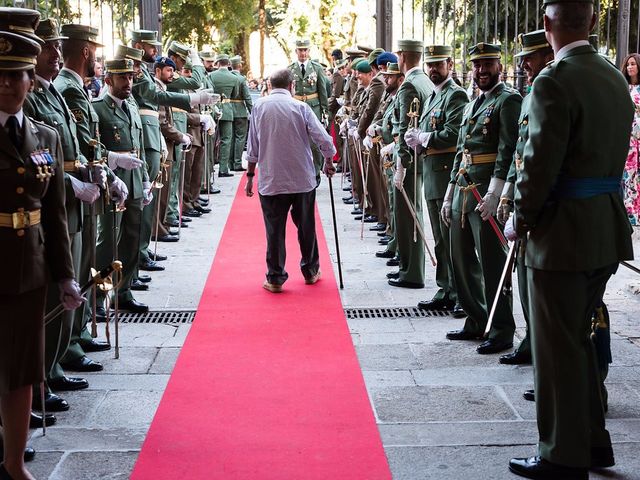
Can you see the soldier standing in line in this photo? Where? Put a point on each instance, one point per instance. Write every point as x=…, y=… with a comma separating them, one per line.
x=568, y=205
x=416, y=86
x=242, y=106
x=33, y=232
x=486, y=143
x=438, y=139
x=208, y=61
x=337, y=88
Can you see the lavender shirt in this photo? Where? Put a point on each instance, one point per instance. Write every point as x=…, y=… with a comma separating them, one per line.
x=280, y=133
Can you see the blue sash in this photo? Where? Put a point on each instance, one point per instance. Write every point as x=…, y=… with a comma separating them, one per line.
x=587, y=187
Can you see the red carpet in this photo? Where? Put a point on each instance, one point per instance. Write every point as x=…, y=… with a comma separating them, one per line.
x=267, y=386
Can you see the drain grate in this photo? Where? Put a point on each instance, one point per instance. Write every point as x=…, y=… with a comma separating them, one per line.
x=392, y=312
x=165, y=316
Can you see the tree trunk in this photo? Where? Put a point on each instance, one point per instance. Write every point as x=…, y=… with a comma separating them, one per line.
x=241, y=47
x=262, y=25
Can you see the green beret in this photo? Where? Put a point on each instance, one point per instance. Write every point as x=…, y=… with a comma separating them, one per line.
x=392, y=69
x=179, y=49
x=437, y=53
x=208, y=56
x=303, y=43
x=145, y=36
x=532, y=42
x=17, y=52
x=49, y=30
x=118, y=65
x=22, y=21
x=409, y=45
x=355, y=62
x=75, y=31
x=129, y=52
x=221, y=56
x=375, y=53
x=363, y=67
x=236, y=60
x=485, y=51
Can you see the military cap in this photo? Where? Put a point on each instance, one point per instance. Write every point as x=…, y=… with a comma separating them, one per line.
x=386, y=57
x=162, y=62
x=392, y=69
x=303, y=43
x=355, y=62
x=129, y=52
x=23, y=21
x=549, y=2
x=179, y=49
x=75, y=31
x=485, y=51
x=221, y=56
x=532, y=42
x=145, y=36
x=208, y=56
x=365, y=49
x=410, y=45
x=49, y=31
x=374, y=54
x=437, y=53
x=363, y=67
x=236, y=60
x=17, y=52
x=355, y=52
x=118, y=65
x=342, y=63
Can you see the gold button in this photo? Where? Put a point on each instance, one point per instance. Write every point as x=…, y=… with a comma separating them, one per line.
x=472, y=122
x=20, y=190
x=526, y=122
x=466, y=150
x=21, y=170
x=20, y=233
x=468, y=136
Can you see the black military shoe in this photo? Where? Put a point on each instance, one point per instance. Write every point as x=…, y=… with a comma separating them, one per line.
x=539, y=468
x=493, y=346
x=133, y=306
x=394, y=282
x=168, y=238
x=463, y=335
x=385, y=254
x=370, y=219
x=156, y=257
x=529, y=395
x=52, y=403
x=356, y=211
x=380, y=227
x=393, y=275
x=348, y=201
x=35, y=420
x=191, y=213
x=515, y=358
x=95, y=346
x=602, y=457
x=150, y=266
x=393, y=262
x=144, y=278
x=139, y=286
x=186, y=220
x=201, y=208
x=67, y=384
x=458, y=311
x=436, y=304
x=82, y=364
x=225, y=174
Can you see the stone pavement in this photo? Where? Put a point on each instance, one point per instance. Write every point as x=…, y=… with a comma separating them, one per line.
x=444, y=411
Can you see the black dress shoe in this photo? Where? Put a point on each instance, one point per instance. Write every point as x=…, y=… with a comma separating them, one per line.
x=515, y=358
x=174, y=232
x=370, y=219
x=203, y=201
x=168, y=238
x=139, y=286
x=150, y=266
x=348, y=201
x=346, y=189
x=394, y=282
x=133, y=306
x=381, y=227
x=393, y=275
x=393, y=262
x=529, y=395
x=458, y=311
x=95, y=346
x=35, y=421
x=67, y=384
x=191, y=213
x=225, y=174
x=463, y=335
x=52, y=403
x=440, y=304
x=602, y=457
x=358, y=217
x=385, y=254
x=382, y=234
x=383, y=241
x=82, y=364
x=186, y=220
x=156, y=257
x=144, y=278
x=201, y=209
x=539, y=468
x=356, y=211
x=493, y=346
x=214, y=190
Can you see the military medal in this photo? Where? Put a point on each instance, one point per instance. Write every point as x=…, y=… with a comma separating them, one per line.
x=116, y=134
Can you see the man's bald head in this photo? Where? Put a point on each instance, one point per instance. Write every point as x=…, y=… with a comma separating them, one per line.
x=575, y=17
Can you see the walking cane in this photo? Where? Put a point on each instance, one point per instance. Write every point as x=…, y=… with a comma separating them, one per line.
x=158, y=183
x=335, y=232
x=116, y=285
x=367, y=161
x=413, y=113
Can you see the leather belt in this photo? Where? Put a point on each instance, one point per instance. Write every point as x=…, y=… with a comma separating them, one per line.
x=19, y=220
x=178, y=110
x=71, y=166
x=149, y=113
x=231, y=100
x=435, y=151
x=481, y=158
x=304, y=98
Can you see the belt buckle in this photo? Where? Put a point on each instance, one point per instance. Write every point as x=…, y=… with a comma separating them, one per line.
x=304, y=98
x=21, y=220
x=467, y=158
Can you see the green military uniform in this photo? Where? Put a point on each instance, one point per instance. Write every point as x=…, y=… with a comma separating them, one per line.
x=354, y=106
x=227, y=84
x=486, y=144
x=242, y=106
x=441, y=118
x=121, y=132
x=416, y=85
x=569, y=205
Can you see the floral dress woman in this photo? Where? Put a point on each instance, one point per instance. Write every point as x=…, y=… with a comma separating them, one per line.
x=631, y=176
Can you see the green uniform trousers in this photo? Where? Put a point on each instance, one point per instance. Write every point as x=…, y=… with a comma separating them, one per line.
x=175, y=184
x=569, y=403
x=240, y=127
x=523, y=289
x=441, y=250
x=193, y=174
x=392, y=246
x=478, y=259
x=153, y=160
x=226, y=142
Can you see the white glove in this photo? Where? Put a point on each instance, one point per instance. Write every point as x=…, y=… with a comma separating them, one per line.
x=505, y=207
x=398, y=178
x=372, y=130
x=341, y=101
x=445, y=212
x=368, y=142
x=85, y=191
x=147, y=193
x=195, y=58
x=341, y=111
x=186, y=141
x=343, y=126
x=119, y=191
x=99, y=174
x=489, y=204
x=354, y=133
x=387, y=150
x=510, y=230
x=207, y=121
x=412, y=137
x=128, y=161
x=203, y=97
x=70, y=295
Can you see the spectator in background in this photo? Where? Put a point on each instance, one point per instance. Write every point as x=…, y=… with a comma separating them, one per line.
x=631, y=71
x=94, y=85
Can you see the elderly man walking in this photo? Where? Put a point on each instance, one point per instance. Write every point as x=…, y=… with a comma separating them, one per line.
x=280, y=136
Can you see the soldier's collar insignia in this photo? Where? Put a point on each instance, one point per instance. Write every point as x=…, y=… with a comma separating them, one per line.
x=5, y=46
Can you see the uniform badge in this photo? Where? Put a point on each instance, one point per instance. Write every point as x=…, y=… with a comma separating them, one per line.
x=116, y=134
x=78, y=115
x=5, y=46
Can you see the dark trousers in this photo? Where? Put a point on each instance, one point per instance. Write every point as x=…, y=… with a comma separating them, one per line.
x=275, y=209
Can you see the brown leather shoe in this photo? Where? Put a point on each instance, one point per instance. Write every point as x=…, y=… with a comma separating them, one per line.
x=313, y=279
x=272, y=287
